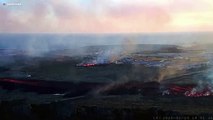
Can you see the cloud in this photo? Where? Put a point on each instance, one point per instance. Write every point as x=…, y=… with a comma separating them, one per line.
x=108, y=16
x=139, y=18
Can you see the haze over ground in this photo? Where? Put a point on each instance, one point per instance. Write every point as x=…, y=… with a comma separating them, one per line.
x=66, y=24
x=69, y=41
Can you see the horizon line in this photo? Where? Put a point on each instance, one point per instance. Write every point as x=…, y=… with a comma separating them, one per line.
x=108, y=33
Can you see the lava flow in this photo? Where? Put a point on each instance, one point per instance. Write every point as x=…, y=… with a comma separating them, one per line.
x=88, y=65
x=49, y=87
x=145, y=89
x=24, y=82
x=189, y=91
x=92, y=64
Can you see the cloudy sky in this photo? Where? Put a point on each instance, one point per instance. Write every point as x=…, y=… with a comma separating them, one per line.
x=106, y=16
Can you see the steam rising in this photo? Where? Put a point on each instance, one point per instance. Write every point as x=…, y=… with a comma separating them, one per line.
x=39, y=45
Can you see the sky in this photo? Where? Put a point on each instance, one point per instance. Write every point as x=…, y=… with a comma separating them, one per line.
x=105, y=16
